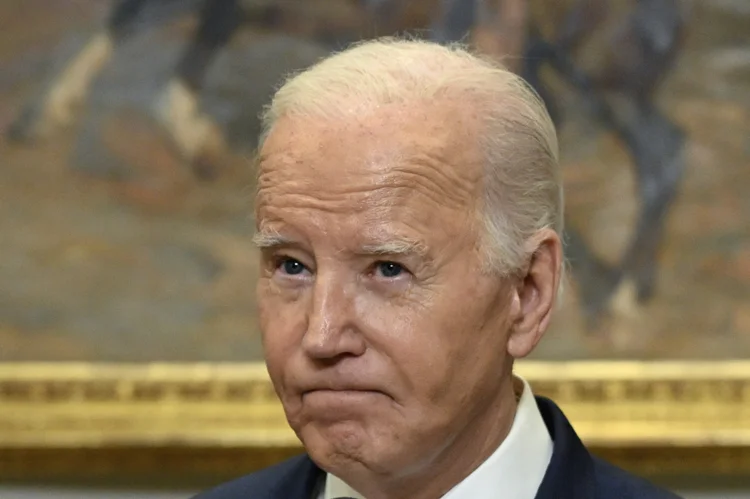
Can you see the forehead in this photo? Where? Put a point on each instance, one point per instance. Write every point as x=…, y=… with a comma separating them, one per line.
x=404, y=149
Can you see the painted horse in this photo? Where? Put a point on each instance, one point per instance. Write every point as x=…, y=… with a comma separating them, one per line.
x=634, y=48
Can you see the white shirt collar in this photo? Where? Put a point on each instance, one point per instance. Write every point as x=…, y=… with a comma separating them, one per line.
x=514, y=471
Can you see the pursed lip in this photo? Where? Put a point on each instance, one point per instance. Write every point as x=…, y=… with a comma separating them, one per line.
x=341, y=391
x=327, y=398
x=341, y=387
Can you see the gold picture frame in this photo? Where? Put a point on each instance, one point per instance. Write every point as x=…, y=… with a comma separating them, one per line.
x=650, y=417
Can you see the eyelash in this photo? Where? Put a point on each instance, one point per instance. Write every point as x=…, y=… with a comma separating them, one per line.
x=281, y=259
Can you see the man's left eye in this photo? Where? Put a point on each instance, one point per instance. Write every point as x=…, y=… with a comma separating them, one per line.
x=390, y=269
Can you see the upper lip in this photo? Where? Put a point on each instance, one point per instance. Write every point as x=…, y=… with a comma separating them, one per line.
x=338, y=384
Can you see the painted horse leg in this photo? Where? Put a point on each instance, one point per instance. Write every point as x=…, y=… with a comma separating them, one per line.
x=645, y=51
x=454, y=21
x=500, y=30
x=581, y=20
x=55, y=107
x=595, y=279
x=536, y=55
x=656, y=145
x=198, y=138
x=382, y=14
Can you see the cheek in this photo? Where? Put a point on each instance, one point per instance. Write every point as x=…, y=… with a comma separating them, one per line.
x=406, y=334
x=282, y=327
x=439, y=342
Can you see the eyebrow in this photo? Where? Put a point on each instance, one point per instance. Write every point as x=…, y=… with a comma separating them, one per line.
x=265, y=239
x=396, y=246
x=270, y=239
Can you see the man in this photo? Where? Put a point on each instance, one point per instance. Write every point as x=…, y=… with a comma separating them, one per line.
x=409, y=215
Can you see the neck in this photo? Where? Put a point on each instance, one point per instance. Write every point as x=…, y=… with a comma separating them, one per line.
x=481, y=437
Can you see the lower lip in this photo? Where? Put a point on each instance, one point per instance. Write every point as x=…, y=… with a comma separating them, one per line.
x=327, y=398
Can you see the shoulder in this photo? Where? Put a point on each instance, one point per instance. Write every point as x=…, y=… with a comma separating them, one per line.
x=615, y=483
x=268, y=483
x=575, y=470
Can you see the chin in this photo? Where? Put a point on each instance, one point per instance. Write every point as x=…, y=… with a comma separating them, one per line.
x=348, y=447
x=338, y=445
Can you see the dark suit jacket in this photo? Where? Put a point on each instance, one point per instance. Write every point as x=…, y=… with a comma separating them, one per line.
x=572, y=473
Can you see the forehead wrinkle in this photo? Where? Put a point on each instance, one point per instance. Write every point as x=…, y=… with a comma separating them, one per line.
x=297, y=188
x=442, y=169
x=389, y=171
x=279, y=173
x=438, y=161
x=345, y=202
x=439, y=192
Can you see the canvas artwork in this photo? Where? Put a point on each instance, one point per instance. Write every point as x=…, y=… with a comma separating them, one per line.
x=116, y=248
x=126, y=179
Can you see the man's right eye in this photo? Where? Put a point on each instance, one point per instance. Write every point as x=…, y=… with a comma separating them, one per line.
x=290, y=266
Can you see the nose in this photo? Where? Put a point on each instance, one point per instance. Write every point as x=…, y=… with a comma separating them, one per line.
x=331, y=326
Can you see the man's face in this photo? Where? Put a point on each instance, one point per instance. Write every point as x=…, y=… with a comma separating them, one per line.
x=383, y=337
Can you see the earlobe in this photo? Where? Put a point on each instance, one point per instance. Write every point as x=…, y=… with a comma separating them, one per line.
x=525, y=332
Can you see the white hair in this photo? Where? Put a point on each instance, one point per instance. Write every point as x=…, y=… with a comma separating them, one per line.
x=522, y=186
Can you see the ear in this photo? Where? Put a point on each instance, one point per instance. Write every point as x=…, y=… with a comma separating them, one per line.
x=536, y=293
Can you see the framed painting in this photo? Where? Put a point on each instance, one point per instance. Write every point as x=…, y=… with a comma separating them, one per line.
x=128, y=338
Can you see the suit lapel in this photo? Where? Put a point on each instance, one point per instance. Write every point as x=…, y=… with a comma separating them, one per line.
x=570, y=474
x=299, y=482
